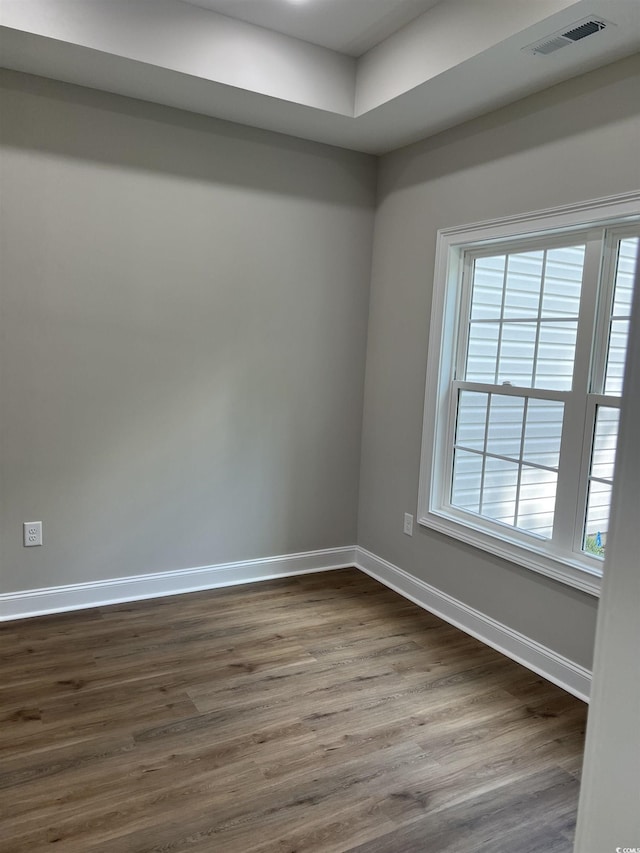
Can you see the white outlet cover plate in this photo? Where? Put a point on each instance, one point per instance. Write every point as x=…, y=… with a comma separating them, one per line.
x=32, y=533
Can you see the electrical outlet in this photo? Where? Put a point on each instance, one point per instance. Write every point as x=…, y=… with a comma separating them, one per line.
x=408, y=524
x=32, y=533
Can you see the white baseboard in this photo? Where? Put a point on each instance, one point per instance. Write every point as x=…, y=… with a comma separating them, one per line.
x=565, y=673
x=542, y=660
x=39, y=602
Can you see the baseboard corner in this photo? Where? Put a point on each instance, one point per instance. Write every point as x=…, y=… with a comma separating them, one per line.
x=565, y=673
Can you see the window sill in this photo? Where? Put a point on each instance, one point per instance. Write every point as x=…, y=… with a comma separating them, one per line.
x=571, y=573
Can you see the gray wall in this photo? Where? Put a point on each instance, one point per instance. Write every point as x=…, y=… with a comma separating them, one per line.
x=183, y=307
x=183, y=318
x=576, y=141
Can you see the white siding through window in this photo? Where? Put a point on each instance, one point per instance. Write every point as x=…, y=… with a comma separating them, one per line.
x=620, y=315
x=524, y=318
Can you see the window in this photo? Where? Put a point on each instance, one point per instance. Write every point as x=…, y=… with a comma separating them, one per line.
x=526, y=359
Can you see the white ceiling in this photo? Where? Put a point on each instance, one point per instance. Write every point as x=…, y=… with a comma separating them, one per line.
x=453, y=62
x=347, y=26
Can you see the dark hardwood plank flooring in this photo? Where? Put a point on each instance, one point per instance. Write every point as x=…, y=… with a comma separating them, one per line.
x=319, y=714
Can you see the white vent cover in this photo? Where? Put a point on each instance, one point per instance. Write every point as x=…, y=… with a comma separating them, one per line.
x=570, y=35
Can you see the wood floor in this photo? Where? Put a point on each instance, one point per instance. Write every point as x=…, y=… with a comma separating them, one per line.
x=319, y=714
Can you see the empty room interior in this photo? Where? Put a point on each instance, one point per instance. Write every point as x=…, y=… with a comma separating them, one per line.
x=318, y=481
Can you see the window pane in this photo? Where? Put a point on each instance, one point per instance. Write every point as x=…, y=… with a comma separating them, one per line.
x=537, y=502
x=523, y=285
x=492, y=425
x=504, y=435
x=467, y=480
x=619, y=326
x=597, y=524
x=618, y=338
x=517, y=353
x=605, y=437
x=482, y=355
x=543, y=433
x=472, y=420
x=488, y=284
x=556, y=354
x=524, y=317
x=625, y=272
x=563, y=282
x=500, y=489
x=604, y=442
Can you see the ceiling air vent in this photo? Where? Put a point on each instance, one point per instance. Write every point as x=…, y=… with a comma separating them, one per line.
x=576, y=32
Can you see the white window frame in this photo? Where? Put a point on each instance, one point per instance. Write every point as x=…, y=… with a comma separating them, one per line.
x=455, y=246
